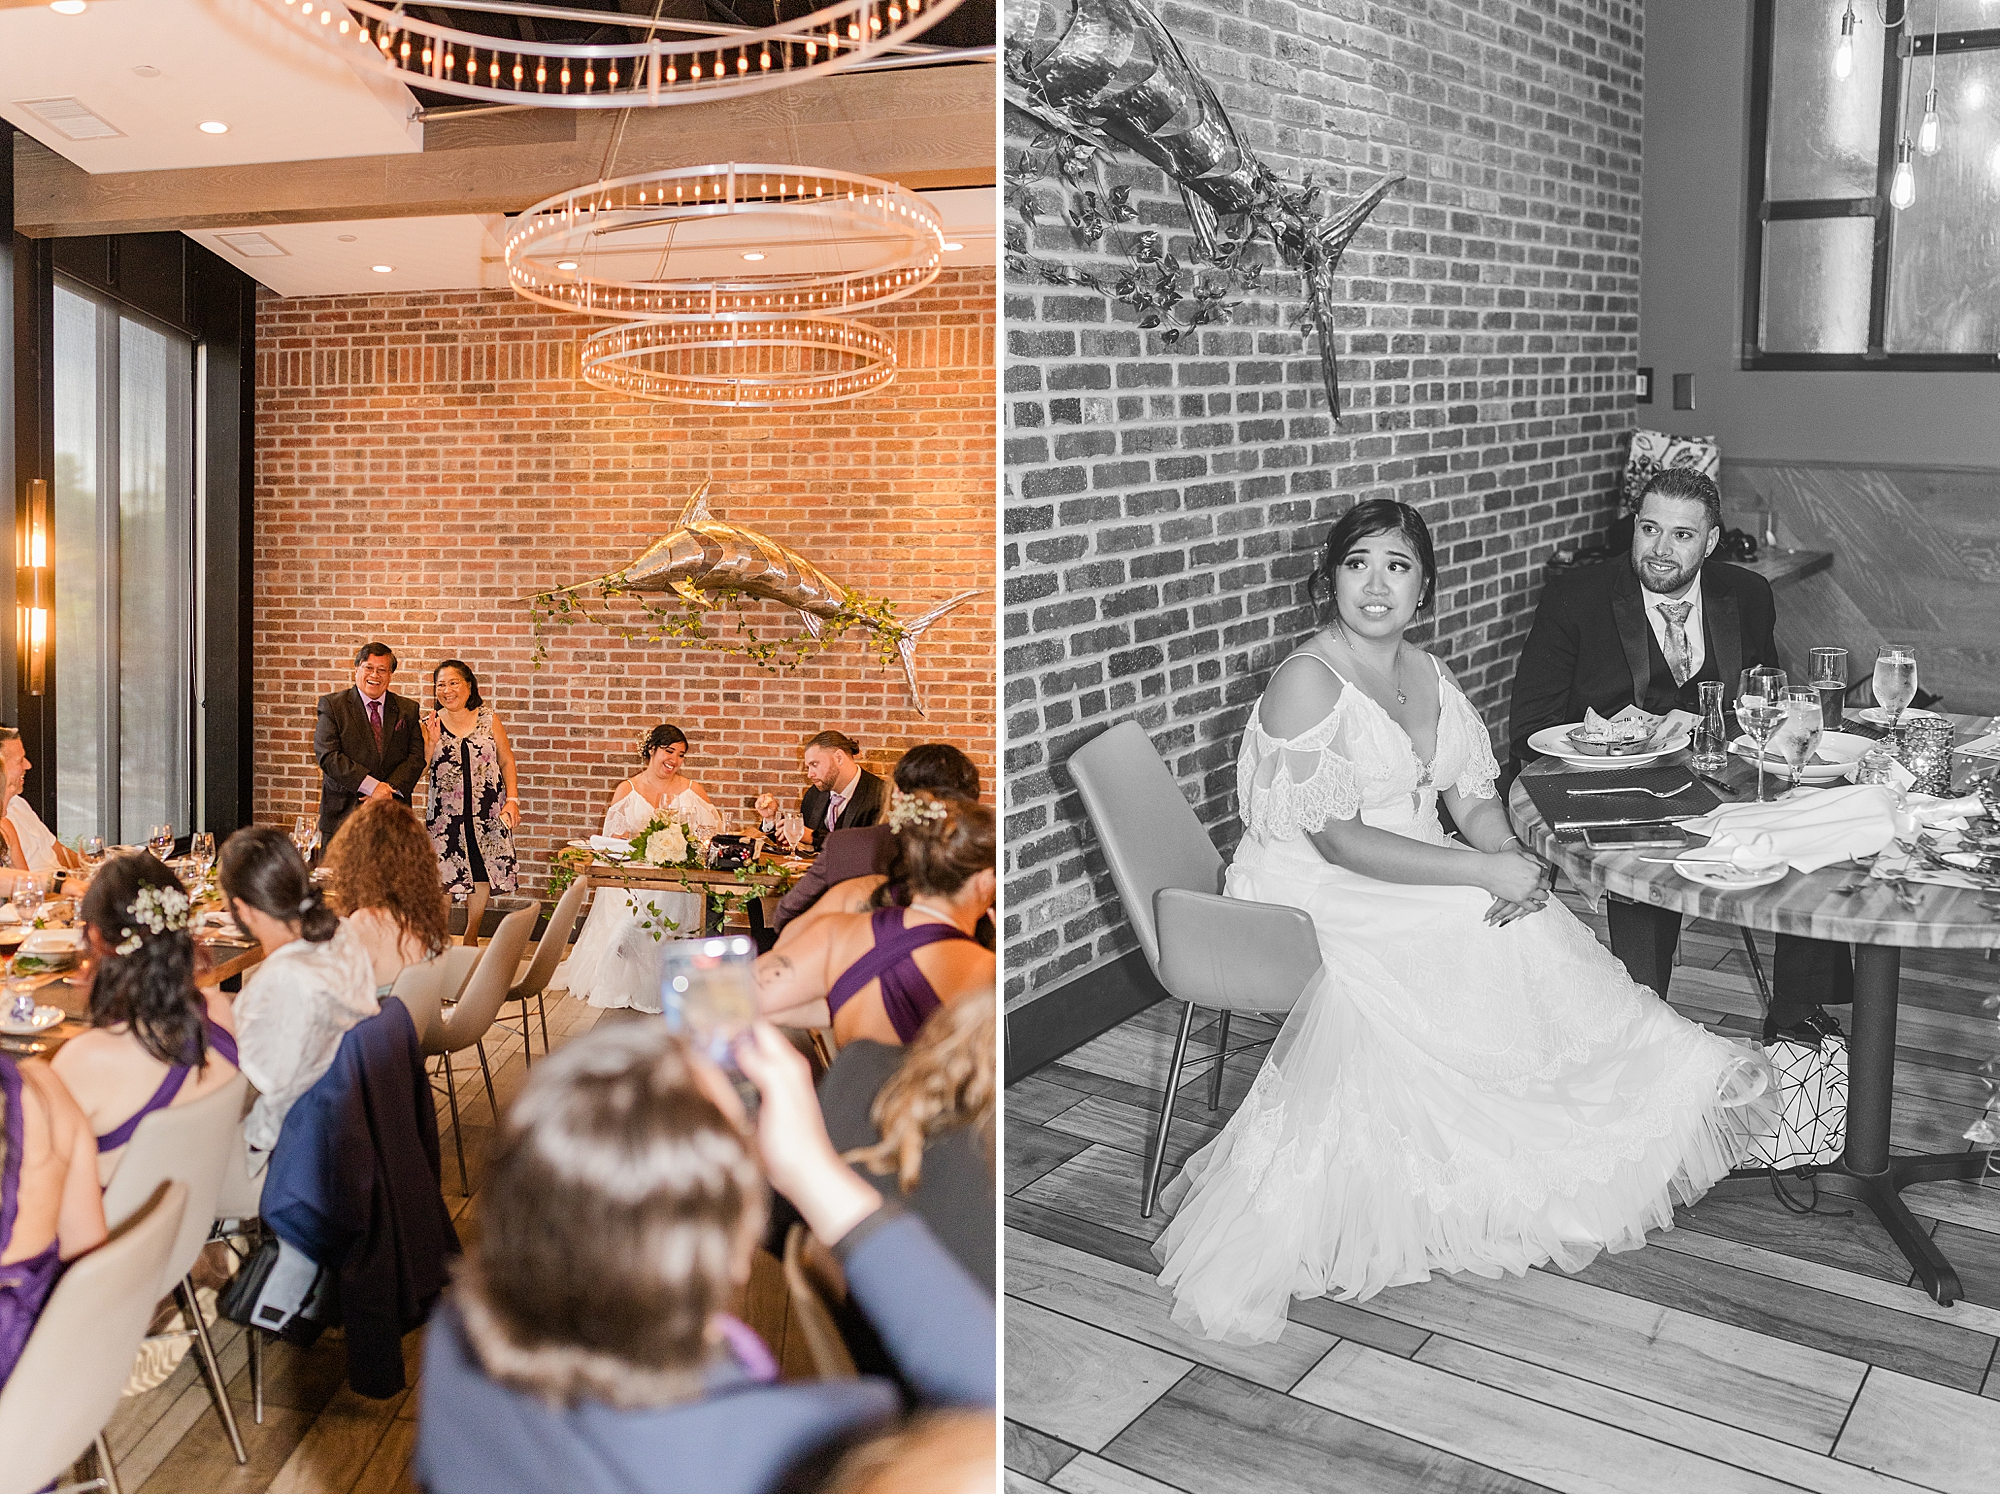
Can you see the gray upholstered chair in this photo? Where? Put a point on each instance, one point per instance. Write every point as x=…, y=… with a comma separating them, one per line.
x=1205, y=949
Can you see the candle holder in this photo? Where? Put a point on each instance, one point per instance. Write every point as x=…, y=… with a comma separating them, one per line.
x=1924, y=747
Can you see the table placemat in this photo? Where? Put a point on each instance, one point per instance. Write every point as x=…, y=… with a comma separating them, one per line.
x=1552, y=796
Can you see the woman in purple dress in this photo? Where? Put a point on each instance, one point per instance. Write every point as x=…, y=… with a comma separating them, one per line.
x=50, y=1208
x=474, y=801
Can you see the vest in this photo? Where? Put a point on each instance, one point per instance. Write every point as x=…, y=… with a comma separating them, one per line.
x=1661, y=695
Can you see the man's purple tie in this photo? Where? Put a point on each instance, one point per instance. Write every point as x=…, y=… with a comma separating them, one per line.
x=834, y=804
x=375, y=723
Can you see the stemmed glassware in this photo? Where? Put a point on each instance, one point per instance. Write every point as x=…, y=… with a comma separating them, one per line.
x=1760, y=710
x=201, y=851
x=93, y=850
x=792, y=829
x=1803, y=723
x=1895, y=680
x=27, y=899
x=160, y=841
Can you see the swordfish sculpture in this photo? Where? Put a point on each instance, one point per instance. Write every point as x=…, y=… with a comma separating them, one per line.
x=705, y=559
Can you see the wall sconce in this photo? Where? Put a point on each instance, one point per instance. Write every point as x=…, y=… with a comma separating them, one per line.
x=34, y=590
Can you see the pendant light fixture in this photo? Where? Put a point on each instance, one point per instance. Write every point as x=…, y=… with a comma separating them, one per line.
x=1843, y=55
x=1929, y=133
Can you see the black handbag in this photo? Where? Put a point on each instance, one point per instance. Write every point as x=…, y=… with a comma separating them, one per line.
x=254, y=1300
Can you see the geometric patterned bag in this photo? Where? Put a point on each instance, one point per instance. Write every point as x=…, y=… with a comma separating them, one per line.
x=1812, y=1090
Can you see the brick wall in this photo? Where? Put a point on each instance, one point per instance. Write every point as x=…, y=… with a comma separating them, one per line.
x=426, y=462
x=1162, y=508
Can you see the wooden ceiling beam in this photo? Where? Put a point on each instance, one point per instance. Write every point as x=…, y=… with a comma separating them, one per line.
x=927, y=127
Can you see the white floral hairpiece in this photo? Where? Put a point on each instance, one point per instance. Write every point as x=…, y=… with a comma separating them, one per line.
x=906, y=810
x=157, y=909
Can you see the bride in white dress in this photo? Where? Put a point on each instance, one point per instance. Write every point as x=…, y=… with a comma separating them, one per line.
x=616, y=959
x=1473, y=1083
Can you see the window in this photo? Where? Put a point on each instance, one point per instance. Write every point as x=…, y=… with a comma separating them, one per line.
x=122, y=679
x=1839, y=277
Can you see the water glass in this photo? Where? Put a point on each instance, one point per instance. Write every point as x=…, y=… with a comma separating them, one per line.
x=1798, y=736
x=1895, y=680
x=1711, y=738
x=21, y=1002
x=1829, y=677
x=93, y=850
x=1760, y=710
x=708, y=992
x=28, y=894
x=201, y=850
x=792, y=830
x=160, y=841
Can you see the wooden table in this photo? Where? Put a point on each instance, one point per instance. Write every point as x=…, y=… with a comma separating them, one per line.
x=1877, y=925
x=638, y=877
x=70, y=989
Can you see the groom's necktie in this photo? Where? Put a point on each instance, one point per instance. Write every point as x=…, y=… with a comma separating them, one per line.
x=1676, y=614
x=834, y=804
x=375, y=723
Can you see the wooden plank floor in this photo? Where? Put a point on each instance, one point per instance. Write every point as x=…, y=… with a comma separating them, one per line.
x=317, y=1436
x=1746, y=1349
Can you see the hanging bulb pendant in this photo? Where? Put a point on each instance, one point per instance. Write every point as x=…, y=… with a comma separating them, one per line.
x=1843, y=55
x=1929, y=133
x=1903, y=190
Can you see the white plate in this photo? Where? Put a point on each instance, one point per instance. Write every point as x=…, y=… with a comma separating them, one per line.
x=1553, y=741
x=1726, y=878
x=45, y=1017
x=1845, y=748
x=1876, y=716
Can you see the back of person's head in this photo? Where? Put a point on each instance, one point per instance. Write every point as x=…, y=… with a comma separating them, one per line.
x=939, y=1452
x=260, y=865
x=938, y=769
x=617, y=1218
x=940, y=844
x=382, y=857
x=147, y=978
x=948, y=1079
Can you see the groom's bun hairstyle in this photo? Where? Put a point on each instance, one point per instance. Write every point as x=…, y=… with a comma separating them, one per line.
x=1688, y=485
x=1365, y=520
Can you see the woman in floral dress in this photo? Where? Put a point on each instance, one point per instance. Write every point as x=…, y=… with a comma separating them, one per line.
x=473, y=803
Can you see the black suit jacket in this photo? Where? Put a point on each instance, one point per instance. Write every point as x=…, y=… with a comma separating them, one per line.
x=866, y=806
x=344, y=743
x=1591, y=645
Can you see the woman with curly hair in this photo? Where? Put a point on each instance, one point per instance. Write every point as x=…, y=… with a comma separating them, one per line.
x=918, y=1123
x=880, y=974
x=156, y=1039
x=383, y=879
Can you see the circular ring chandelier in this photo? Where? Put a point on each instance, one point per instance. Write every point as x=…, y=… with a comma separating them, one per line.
x=702, y=61
x=726, y=242
x=786, y=363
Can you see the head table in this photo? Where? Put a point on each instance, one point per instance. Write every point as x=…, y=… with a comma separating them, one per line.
x=1836, y=903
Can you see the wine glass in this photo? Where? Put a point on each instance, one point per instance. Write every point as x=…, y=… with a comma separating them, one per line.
x=302, y=828
x=160, y=841
x=201, y=850
x=27, y=899
x=1799, y=736
x=93, y=850
x=1760, y=710
x=1895, y=680
x=792, y=830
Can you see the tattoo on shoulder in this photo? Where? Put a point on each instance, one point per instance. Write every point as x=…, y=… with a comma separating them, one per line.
x=773, y=968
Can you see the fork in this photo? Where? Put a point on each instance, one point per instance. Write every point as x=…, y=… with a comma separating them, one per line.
x=1646, y=792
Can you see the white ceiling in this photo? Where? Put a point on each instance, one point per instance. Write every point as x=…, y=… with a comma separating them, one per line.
x=284, y=96
x=463, y=253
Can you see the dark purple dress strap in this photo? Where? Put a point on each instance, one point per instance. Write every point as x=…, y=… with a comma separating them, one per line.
x=24, y=1285
x=907, y=997
x=222, y=1041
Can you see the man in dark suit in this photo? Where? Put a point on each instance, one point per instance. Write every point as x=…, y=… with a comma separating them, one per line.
x=844, y=795
x=368, y=741
x=1650, y=631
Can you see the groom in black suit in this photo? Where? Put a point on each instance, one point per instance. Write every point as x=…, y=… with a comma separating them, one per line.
x=368, y=741
x=1651, y=630
x=844, y=795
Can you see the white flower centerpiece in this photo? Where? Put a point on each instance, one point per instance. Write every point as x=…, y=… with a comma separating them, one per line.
x=668, y=841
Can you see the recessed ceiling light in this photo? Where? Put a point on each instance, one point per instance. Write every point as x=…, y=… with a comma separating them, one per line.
x=67, y=7
x=753, y=256
x=952, y=248
x=382, y=269
x=145, y=70
x=346, y=238
x=213, y=127
x=565, y=264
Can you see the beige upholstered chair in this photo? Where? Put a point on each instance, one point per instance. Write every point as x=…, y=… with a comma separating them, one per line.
x=194, y=1144
x=69, y=1377
x=465, y=1022
x=533, y=978
x=1205, y=949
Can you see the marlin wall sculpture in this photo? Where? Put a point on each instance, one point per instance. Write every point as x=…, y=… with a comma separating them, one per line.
x=1109, y=74
x=706, y=561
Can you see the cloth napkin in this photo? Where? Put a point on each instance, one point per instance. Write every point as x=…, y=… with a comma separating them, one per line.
x=610, y=843
x=1807, y=833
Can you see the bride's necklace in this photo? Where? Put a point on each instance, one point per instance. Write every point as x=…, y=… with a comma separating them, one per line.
x=1389, y=680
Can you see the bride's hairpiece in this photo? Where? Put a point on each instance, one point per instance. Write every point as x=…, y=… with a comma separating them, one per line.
x=157, y=910
x=906, y=810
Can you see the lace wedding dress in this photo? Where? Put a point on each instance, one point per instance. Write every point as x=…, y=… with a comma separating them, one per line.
x=616, y=959
x=1447, y=1096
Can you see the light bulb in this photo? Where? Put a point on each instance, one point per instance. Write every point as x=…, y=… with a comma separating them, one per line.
x=1928, y=131
x=1843, y=55
x=1903, y=191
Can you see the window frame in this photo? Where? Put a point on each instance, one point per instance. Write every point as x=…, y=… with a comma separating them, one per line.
x=1903, y=51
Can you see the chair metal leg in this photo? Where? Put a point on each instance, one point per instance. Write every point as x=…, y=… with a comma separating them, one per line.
x=106, y=1469
x=542, y=1010
x=218, y=1388
x=1166, y=1115
x=1757, y=970
x=256, y=1373
x=493, y=1105
x=1221, y=1052
x=457, y=1130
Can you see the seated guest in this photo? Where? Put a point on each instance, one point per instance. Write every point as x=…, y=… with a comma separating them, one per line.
x=382, y=876
x=843, y=795
x=918, y=1123
x=1649, y=630
x=31, y=845
x=880, y=974
x=51, y=1208
x=315, y=982
x=616, y=959
x=587, y=1344
x=934, y=768
x=156, y=1039
x=473, y=804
